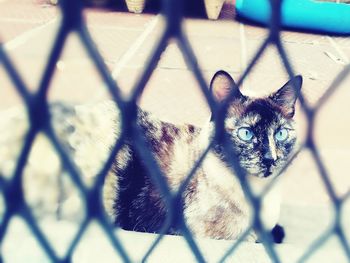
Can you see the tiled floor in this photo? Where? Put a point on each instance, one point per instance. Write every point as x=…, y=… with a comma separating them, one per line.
x=27, y=30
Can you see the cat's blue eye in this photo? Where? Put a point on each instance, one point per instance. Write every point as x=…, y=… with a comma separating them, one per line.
x=281, y=135
x=245, y=134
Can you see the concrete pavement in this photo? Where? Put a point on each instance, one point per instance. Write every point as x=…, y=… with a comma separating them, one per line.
x=27, y=29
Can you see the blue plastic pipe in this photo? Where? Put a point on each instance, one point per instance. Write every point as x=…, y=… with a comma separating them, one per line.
x=311, y=15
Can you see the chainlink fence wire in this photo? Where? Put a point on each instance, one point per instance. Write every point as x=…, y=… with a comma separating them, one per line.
x=37, y=107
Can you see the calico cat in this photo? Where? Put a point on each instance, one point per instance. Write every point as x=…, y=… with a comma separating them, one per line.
x=262, y=132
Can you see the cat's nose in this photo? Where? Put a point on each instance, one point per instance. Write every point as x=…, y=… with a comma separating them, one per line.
x=268, y=162
x=270, y=157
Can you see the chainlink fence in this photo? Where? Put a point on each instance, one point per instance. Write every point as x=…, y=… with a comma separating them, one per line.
x=40, y=121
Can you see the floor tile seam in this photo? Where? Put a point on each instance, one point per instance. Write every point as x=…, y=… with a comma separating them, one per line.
x=22, y=20
x=22, y=38
x=99, y=27
x=339, y=50
x=244, y=55
x=135, y=47
x=125, y=59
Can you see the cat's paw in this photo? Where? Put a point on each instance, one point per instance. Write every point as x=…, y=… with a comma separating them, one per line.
x=252, y=237
x=278, y=234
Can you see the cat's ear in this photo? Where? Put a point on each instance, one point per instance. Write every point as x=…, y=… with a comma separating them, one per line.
x=286, y=96
x=221, y=85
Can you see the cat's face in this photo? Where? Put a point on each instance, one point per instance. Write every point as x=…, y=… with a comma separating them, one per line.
x=262, y=130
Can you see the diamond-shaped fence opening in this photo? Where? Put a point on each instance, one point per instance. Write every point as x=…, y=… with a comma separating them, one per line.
x=18, y=226
x=127, y=132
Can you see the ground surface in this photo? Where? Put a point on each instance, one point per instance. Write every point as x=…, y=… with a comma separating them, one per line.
x=27, y=30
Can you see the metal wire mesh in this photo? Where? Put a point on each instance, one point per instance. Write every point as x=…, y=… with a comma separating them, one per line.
x=40, y=121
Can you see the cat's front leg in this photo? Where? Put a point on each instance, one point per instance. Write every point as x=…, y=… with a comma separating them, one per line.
x=252, y=237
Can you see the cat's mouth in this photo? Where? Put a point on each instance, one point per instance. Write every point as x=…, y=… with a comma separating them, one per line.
x=264, y=172
x=261, y=171
x=267, y=172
